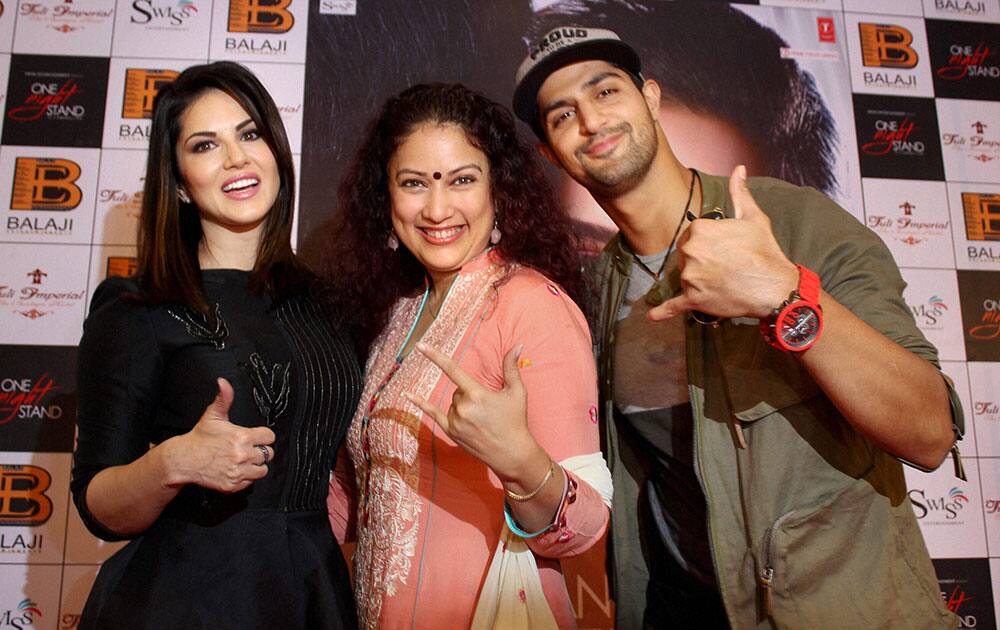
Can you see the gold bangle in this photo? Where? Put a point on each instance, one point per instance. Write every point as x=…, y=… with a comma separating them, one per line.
x=513, y=496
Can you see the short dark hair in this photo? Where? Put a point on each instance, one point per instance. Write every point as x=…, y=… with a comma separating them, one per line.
x=169, y=231
x=369, y=278
x=770, y=100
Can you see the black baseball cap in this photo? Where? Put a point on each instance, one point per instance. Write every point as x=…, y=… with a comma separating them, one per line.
x=560, y=47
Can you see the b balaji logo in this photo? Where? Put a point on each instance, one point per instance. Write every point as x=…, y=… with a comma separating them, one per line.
x=886, y=46
x=45, y=184
x=982, y=216
x=22, y=495
x=141, y=87
x=260, y=16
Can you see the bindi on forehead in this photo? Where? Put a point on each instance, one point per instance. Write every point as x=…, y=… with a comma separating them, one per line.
x=436, y=175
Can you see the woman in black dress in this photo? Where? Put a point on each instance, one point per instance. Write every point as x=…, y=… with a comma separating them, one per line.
x=214, y=392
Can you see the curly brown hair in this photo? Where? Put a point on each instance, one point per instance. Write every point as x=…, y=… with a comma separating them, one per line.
x=368, y=278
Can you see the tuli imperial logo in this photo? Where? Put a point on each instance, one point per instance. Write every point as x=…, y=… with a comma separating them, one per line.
x=34, y=301
x=975, y=144
x=947, y=506
x=906, y=228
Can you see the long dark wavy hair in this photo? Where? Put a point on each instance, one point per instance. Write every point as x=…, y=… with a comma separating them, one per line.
x=169, y=230
x=368, y=278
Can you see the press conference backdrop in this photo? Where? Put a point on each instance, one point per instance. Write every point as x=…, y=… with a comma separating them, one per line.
x=910, y=87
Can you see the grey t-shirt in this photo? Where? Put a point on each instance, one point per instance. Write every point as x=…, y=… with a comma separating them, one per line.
x=651, y=396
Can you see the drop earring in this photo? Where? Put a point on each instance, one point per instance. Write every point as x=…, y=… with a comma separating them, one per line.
x=495, y=234
x=392, y=242
x=182, y=195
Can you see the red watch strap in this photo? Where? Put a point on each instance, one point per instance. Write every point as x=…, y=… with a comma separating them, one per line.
x=808, y=284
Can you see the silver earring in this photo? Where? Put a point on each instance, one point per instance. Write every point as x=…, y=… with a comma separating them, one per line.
x=495, y=234
x=182, y=195
x=392, y=242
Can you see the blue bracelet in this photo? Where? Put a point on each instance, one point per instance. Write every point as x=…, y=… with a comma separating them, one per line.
x=512, y=526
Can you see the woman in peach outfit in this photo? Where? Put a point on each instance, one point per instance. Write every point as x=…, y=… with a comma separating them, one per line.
x=475, y=445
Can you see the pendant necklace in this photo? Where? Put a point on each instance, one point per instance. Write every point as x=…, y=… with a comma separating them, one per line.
x=660, y=290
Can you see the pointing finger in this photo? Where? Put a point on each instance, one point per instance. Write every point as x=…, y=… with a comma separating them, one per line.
x=457, y=375
x=439, y=416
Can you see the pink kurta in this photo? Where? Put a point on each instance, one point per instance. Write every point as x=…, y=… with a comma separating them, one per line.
x=429, y=514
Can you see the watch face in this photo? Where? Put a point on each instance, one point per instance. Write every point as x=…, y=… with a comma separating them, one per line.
x=798, y=326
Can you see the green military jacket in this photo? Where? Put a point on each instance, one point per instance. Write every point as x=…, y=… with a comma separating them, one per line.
x=809, y=502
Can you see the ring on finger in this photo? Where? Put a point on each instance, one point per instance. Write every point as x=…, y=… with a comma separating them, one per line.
x=266, y=452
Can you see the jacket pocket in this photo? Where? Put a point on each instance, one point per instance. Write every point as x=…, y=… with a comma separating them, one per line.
x=852, y=561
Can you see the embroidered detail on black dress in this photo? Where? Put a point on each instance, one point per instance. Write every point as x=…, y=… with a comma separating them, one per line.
x=271, y=387
x=199, y=326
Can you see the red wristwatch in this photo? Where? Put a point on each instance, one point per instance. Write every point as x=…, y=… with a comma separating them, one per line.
x=796, y=324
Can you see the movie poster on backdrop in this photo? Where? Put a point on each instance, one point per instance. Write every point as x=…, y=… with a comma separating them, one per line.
x=29, y=597
x=965, y=588
x=964, y=59
x=119, y=197
x=61, y=27
x=55, y=101
x=885, y=7
x=163, y=29
x=888, y=55
x=43, y=289
x=975, y=215
x=51, y=194
x=959, y=374
x=898, y=137
x=260, y=30
x=948, y=510
x=132, y=86
x=969, y=10
x=35, y=496
x=912, y=218
x=970, y=139
x=983, y=410
x=38, y=398
x=932, y=295
x=980, y=292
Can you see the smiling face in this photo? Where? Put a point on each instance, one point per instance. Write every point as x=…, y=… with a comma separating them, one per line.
x=599, y=126
x=225, y=166
x=439, y=188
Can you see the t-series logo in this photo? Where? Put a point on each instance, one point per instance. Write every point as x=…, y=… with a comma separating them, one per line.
x=22, y=495
x=45, y=184
x=260, y=16
x=144, y=12
x=951, y=504
x=886, y=46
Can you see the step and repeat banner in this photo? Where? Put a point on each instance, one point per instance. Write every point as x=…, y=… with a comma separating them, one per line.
x=892, y=108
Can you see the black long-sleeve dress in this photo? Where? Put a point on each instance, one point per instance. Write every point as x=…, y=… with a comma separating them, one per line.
x=263, y=557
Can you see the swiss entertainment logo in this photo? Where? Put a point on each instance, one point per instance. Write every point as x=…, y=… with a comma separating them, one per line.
x=23, y=615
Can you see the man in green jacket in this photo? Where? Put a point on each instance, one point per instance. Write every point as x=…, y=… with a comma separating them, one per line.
x=761, y=376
